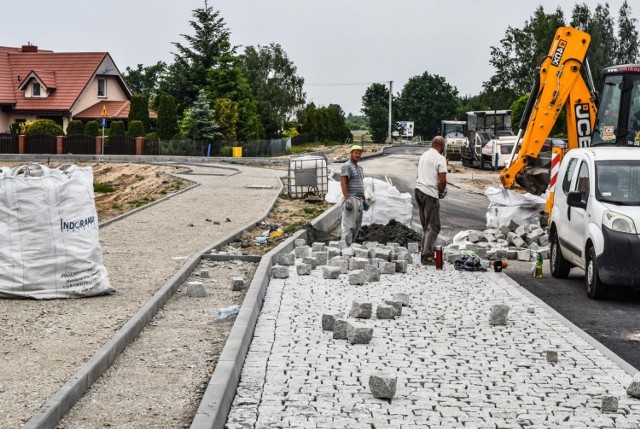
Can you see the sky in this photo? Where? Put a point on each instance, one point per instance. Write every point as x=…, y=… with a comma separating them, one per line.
x=339, y=47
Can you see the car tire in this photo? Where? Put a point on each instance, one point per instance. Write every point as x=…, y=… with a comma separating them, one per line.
x=559, y=266
x=595, y=288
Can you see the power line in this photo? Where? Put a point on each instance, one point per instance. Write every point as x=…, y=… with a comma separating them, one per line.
x=344, y=84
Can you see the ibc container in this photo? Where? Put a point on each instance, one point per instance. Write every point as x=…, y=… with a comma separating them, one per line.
x=308, y=174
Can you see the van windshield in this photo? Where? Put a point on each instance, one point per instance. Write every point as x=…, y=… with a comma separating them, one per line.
x=618, y=182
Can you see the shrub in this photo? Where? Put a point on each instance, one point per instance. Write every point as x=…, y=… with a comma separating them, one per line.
x=44, y=127
x=75, y=128
x=136, y=129
x=117, y=128
x=151, y=136
x=226, y=151
x=92, y=129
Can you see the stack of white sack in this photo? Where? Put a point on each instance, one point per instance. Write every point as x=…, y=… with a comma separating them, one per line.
x=384, y=199
x=506, y=205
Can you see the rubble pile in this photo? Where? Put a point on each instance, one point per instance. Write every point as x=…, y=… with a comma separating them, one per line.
x=511, y=241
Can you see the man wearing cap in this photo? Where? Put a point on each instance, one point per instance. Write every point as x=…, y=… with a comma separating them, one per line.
x=352, y=183
x=431, y=186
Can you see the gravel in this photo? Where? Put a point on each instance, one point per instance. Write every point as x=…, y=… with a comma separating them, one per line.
x=43, y=343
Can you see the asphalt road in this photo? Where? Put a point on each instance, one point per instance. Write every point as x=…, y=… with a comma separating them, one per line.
x=614, y=322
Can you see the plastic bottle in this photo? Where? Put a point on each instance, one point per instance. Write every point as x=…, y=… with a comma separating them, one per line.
x=223, y=313
x=539, y=265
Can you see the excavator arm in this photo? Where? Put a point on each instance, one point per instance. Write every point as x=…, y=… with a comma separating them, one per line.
x=558, y=84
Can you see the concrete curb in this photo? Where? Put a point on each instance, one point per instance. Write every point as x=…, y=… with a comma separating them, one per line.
x=77, y=385
x=624, y=365
x=218, y=397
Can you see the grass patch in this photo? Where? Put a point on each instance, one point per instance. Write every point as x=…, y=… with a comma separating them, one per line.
x=141, y=202
x=103, y=188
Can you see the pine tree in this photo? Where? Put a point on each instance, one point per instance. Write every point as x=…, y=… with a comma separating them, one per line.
x=167, y=125
x=139, y=110
x=627, y=50
x=198, y=123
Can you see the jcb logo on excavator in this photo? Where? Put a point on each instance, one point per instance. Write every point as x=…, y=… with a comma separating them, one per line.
x=557, y=56
x=583, y=125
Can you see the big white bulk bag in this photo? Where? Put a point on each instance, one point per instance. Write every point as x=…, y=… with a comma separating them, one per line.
x=49, y=245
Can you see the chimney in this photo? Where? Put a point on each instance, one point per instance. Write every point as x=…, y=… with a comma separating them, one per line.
x=29, y=48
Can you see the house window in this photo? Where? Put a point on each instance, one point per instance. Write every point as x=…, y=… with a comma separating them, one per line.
x=102, y=87
x=35, y=89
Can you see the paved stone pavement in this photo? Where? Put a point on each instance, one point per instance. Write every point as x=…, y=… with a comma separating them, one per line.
x=453, y=368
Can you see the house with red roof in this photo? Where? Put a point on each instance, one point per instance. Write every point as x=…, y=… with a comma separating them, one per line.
x=61, y=86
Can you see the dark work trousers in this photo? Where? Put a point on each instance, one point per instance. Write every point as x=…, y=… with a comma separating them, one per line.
x=429, y=209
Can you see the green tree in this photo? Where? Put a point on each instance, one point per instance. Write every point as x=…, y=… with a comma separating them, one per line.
x=426, y=100
x=44, y=127
x=225, y=114
x=198, y=123
x=75, y=127
x=517, y=110
x=627, y=46
x=337, y=129
x=136, y=129
x=145, y=80
x=276, y=86
x=209, y=47
x=139, y=110
x=516, y=59
x=167, y=125
x=375, y=106
x=603, y=41
x=116, y=129
x=230, y=82
x=92, y=128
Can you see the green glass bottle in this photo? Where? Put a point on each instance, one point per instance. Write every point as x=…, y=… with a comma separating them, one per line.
x=539, y=265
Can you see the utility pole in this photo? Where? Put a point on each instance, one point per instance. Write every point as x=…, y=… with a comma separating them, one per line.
x=390, y=109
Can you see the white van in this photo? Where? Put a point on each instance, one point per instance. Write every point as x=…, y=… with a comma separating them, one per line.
x=595, y=218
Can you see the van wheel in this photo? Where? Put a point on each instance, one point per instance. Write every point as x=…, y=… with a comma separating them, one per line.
x=595, y=288
x=560, y=267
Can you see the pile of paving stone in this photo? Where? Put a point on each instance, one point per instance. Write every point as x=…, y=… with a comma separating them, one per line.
x=512, y=241
x=362, y=262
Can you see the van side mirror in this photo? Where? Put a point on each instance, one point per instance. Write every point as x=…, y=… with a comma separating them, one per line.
x=574, y=199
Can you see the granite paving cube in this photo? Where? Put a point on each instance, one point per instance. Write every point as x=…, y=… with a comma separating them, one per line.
x=387, y=268
x=397, y=305
x=329, y=321
x=634, y=388
x=393, y=245
x=357, y=277
x=360, y=309
x=543, y=240
x=609, y=404
x=310, y=260
x=519, y=242
x=512, y=253
x=302, y=251
x=317, y=247
x=332, y=252
x=499, y=314
x=401, y=266
x=329, y=272
x=382, y=386
x=552, y=356
x=384, y=311
x=357, y=334
x=413, y=247
x=361, y=253
x=335, y=244
x=372, y=274
x=349, y=251
x=504, y=229
x=237, y=284
x=280, y=272
x=524, y=255
x=340, y=328
x=304, y=269
x=381, y=253
x=513, y=225
x=321, y=257
x=358, y=263
x=403, y=298
x=204, y=274
x=299, y=242
x=343, y=264
x=196, y=290
x=288, y=259
x=370, y=244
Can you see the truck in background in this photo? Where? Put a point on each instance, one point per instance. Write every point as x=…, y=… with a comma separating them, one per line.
x=454, y=135
x=483, y=126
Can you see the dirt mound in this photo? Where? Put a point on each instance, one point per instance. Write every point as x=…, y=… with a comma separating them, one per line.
x=393, y=232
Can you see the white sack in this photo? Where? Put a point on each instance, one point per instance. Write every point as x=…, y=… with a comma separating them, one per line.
x=49, y=246
x=506, y=205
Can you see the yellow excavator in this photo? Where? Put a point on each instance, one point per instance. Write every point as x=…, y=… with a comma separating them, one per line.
x=563, y=81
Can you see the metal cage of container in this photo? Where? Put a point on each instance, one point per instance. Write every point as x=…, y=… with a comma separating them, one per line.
x=308, y=175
